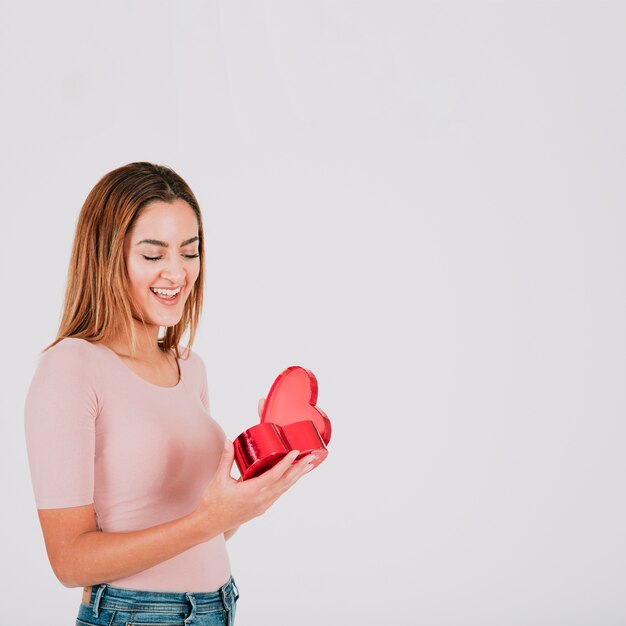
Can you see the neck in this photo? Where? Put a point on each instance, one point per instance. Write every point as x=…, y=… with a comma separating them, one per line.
x=146, y=345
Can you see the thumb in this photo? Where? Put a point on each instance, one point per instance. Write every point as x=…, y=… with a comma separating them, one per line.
x=228, y=456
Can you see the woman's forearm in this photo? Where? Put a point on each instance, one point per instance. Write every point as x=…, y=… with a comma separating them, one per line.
x=81, y=555
x=95, y=557
x=229, y=533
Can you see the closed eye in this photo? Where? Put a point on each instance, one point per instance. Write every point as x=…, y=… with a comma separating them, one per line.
x=157, y=258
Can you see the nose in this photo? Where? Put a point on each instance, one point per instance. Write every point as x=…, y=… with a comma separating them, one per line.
x=174, y=270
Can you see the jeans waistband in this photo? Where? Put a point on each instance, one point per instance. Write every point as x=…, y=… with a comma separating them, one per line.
x=117, y=598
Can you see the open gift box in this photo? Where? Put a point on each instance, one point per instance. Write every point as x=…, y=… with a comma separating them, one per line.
x=290, y=420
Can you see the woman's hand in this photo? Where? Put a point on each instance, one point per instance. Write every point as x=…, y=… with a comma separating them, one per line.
x=235, y=502
x=83, y=555
x=230, y=532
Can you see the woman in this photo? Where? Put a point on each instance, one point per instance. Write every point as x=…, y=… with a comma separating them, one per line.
x=131, y=474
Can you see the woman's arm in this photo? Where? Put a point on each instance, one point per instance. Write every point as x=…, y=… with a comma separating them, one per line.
x=81, y=555
x=229, y=533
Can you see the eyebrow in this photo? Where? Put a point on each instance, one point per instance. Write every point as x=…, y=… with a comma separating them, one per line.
x=164, y=244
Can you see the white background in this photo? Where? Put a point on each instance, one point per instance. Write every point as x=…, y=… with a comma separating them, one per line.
x=423, y=203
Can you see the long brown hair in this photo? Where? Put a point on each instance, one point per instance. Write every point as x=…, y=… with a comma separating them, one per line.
x=98, y=303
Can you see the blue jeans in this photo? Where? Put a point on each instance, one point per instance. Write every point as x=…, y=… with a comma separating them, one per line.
x=113, y=606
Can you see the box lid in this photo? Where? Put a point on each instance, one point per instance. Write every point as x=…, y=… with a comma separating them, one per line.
x=292, y=398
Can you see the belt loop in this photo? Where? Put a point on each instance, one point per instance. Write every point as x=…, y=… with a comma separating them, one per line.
x=226, y=604
x=96, y=602
x=191, y=615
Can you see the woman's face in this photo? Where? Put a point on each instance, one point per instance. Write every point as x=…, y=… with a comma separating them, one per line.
x=161, y=252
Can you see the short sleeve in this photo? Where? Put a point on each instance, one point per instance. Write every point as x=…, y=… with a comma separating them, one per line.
x=60, y=425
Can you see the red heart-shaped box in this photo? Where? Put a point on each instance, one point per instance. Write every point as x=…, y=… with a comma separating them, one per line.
x=290, y=420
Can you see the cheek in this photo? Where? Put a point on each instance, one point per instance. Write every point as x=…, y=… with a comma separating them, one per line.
x=192, y=274
x=139, y=277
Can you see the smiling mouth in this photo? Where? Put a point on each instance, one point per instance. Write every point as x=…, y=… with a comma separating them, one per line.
x=168, y=295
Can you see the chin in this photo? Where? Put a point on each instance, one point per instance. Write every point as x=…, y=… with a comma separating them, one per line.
x=168, y=323
x=164, y=321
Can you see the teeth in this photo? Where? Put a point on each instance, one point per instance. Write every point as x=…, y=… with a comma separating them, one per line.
x=166, y=292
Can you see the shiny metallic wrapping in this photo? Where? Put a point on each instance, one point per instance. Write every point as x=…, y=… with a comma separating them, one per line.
x=290, y=421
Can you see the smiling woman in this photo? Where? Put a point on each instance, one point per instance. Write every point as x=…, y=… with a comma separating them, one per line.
x=131, y=473
x=137, y=212
x=163, y=261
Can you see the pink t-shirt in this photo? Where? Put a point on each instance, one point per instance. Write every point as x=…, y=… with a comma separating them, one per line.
x=98, y=433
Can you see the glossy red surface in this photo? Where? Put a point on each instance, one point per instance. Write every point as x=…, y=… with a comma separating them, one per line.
x=292, y=398
x=290, y=421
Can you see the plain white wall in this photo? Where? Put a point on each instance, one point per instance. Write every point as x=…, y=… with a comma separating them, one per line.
x=424, y=203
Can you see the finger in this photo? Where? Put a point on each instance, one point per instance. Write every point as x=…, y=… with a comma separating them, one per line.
x=293, y=474
x=274, y=474
x=226, y=461
x=300, y=468
x=261, y=406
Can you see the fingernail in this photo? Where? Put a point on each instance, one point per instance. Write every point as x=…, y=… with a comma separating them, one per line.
x=308, y=468
x=295, y=453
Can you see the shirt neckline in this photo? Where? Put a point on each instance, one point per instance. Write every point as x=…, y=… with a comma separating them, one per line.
x=121, y=361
